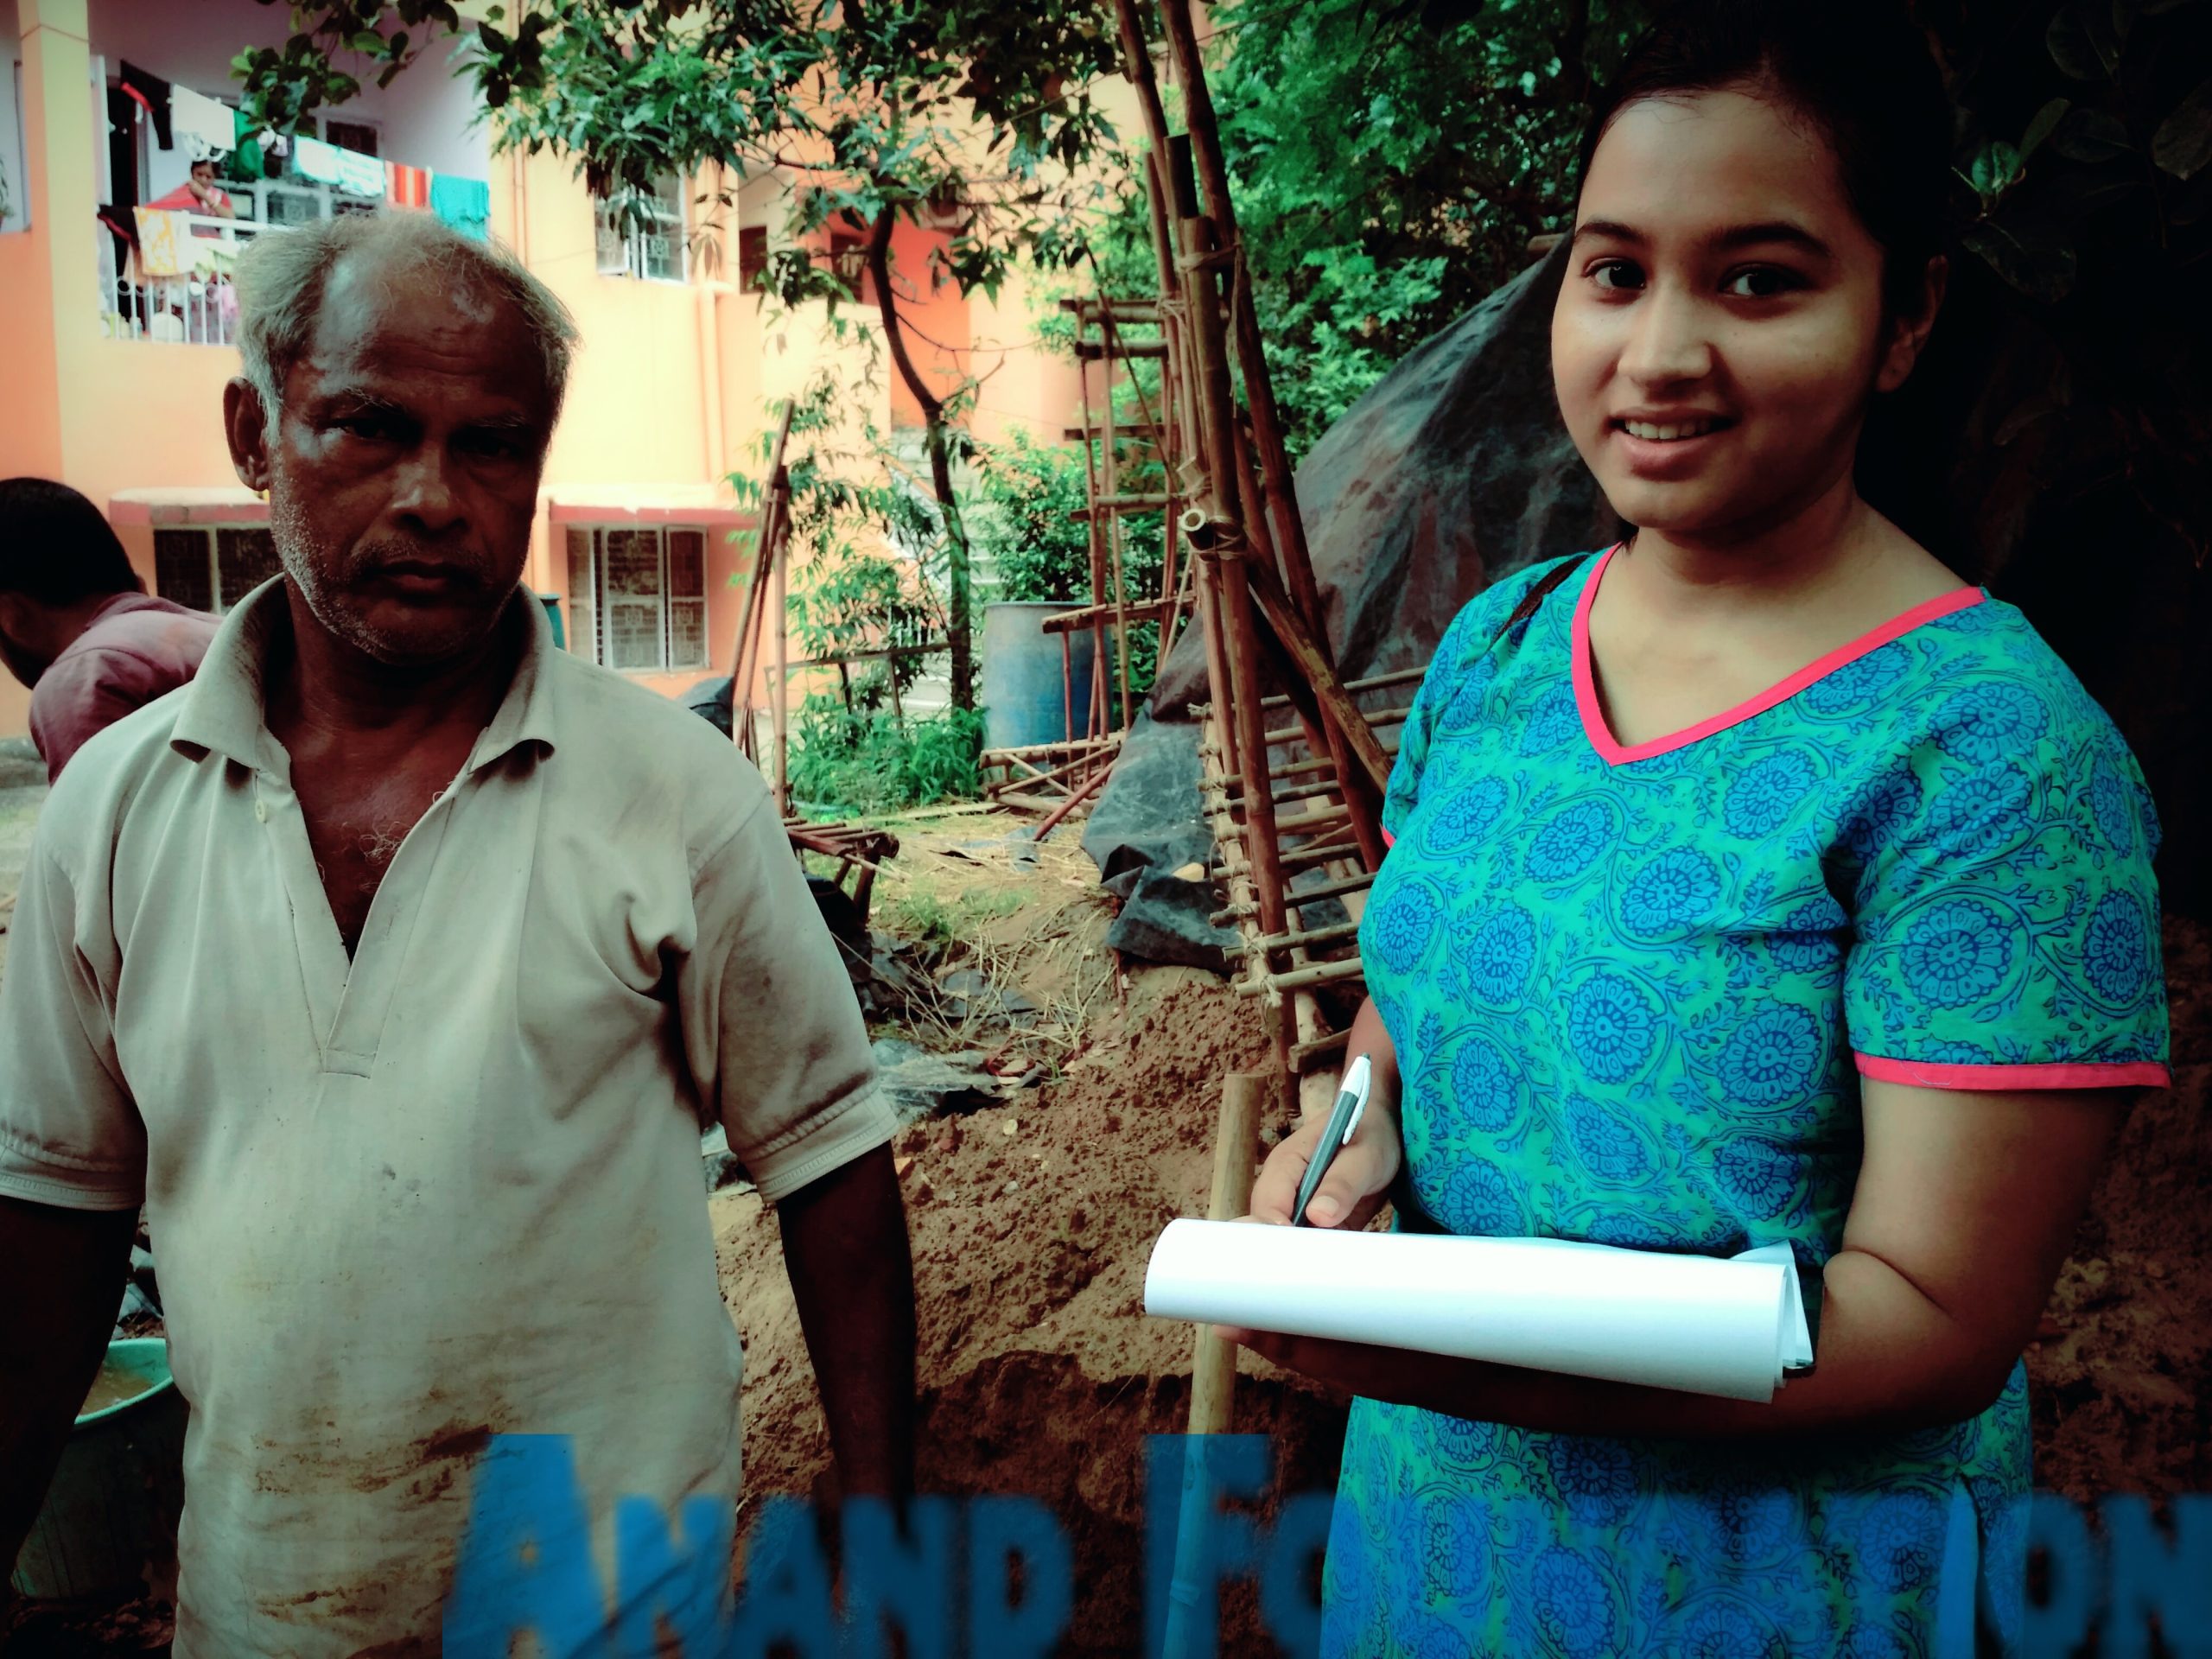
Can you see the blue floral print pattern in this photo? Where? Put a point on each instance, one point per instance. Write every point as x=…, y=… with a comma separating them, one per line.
x=1626, y=998
x=1676, y=890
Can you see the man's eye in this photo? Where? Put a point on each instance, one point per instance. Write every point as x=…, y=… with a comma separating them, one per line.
x=373, y=428
x=1616, y=274
x=1761, y=282
x=493, y=446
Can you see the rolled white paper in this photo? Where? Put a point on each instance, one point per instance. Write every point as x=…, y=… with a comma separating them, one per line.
x=1704, y=1325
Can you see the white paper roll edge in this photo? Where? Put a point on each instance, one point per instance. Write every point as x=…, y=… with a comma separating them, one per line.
x=1699, y=1324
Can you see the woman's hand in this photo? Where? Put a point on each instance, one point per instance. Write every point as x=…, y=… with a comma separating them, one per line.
x=1358, y=1182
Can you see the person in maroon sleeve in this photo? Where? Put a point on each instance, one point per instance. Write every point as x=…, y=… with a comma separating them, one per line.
x=75, y=623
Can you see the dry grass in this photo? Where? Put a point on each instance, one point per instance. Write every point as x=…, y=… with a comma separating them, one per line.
x=1040, y=930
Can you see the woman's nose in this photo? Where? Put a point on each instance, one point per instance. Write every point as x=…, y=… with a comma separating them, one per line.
x=1668, y=340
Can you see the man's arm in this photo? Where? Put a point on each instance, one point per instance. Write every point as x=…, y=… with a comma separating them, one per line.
x=852, y=1273
x=59, y=1291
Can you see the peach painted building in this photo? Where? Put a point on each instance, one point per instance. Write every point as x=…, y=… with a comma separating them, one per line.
x=116, y=355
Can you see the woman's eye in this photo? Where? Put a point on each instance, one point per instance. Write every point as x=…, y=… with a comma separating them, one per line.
x=1761, y=282
x=1616, y=274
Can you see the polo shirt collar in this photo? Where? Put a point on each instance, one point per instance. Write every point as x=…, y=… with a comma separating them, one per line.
x=224, y=708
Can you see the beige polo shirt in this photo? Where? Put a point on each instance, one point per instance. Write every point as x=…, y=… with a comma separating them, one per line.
x=451, y=1188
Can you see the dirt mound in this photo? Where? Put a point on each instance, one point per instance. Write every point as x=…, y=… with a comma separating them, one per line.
x=1039, y=1374
x=2121, y=1382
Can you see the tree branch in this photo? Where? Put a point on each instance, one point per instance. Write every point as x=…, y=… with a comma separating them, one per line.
x=894, y=331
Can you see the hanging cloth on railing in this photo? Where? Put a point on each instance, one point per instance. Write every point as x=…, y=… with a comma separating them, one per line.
x=359, y=174
x=152, y=94
x=208, y=127
x=406, y=186
x=315, y=160
x=164, y=240
x=465, y=204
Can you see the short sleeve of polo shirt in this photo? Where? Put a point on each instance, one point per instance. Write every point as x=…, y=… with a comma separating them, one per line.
x=2007, y=933
x=772, y=1029
x=70, y=1135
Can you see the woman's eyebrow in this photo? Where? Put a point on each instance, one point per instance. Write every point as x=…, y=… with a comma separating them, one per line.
x=1611, y=229
x=1769, y=232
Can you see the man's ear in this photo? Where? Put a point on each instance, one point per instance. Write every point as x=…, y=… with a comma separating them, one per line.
x=247, y=432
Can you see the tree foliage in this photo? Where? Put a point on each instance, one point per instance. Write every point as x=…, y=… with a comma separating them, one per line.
x=1390, y=164
x=968, y=116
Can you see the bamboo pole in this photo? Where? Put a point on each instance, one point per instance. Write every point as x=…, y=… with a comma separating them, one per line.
x=783, y=690
x=1213, y=1373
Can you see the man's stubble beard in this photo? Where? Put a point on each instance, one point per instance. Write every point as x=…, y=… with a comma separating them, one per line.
x=311, y=571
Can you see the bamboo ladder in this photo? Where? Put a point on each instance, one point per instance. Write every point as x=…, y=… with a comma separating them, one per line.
x=1293, y=766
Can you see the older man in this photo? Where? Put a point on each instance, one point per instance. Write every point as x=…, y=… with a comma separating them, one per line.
x=396, y=964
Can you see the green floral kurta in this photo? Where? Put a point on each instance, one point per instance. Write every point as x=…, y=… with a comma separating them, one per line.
x=1632, y=992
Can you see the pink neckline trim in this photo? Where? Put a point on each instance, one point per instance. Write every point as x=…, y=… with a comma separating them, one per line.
x=1613, y=753
x=2078, y=1074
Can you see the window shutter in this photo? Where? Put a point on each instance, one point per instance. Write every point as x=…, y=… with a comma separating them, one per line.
x=631, y=584
x=687, y=598
x=182, y=570
x=583, y=598
x=244, y=560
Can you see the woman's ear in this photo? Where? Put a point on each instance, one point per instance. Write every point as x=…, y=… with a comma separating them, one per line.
x=1909, y=333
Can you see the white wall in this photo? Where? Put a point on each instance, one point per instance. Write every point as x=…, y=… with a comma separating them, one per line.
x=17, y=217
x=425, y=115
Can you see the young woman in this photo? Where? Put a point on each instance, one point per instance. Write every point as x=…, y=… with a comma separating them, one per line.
x=1753, y=880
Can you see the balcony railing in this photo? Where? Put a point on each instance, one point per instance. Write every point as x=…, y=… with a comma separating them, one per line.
x=179, y=292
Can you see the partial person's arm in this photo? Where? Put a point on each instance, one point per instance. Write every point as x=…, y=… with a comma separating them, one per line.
x=58, y=1290
x=852, y=1275
x=1966, y=1206
x=776, y=1042
x=72, y=1157
x=82, y=695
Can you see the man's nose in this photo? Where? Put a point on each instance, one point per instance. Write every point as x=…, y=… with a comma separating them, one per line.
x=426, y=492
x=1669, y=341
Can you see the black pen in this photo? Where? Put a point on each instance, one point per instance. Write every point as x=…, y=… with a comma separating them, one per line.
x=1336, y=1133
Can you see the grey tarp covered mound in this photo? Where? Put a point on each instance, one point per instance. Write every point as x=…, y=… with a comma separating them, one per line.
x=1452, y=471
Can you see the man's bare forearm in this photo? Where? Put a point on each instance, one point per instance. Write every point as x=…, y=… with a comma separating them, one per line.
x=852, y=1275
x=61, y=1275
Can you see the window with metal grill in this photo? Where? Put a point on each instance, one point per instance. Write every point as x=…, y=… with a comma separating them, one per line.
x=637, y=597
x=211, y=568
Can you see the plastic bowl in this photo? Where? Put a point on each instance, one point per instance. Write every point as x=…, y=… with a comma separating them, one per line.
x=110, y=1513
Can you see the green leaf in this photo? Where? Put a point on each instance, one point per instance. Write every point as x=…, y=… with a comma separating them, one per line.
x=1995, y=170
x=2183, y=145
x=2038, y=263
x=2090, y=135
x=2082, y=43
x=2040, y=127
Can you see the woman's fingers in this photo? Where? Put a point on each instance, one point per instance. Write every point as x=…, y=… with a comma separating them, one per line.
x=1276, y=1186
x=1362, y=1171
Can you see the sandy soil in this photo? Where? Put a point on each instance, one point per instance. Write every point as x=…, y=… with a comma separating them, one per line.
x=1031, y=1223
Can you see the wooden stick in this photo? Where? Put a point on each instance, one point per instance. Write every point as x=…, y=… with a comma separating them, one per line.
x=1374, y=682
x=1299, y=898
x=1336, y=935
x=1321, y=973
x=1383, y=717
x=1097, y=782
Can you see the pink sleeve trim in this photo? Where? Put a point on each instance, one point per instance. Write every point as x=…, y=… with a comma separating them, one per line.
x=2095, y=1074
x=1389, y=840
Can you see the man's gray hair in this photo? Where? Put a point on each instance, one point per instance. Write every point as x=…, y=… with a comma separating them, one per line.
x=282, y=276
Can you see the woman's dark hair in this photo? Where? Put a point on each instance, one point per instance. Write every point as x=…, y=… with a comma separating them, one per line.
x=1862, y=74
x=55, y=546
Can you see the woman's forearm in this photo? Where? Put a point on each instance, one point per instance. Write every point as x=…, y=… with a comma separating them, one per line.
x=1890, y=1361
x=1370, y=1037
